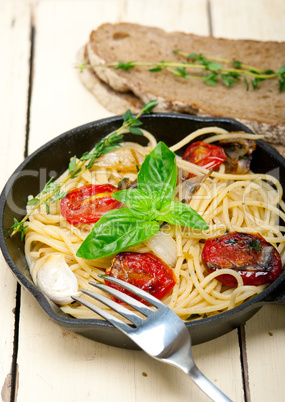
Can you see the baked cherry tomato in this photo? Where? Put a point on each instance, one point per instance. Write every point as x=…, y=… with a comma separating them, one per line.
x=88, y=203
x=206, y=155
x=144, y=270
x=256, y=260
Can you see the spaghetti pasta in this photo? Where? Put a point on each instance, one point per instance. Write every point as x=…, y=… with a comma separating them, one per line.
x=250, y=203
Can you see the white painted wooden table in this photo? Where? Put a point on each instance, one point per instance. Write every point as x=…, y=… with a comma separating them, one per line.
x=41, y=97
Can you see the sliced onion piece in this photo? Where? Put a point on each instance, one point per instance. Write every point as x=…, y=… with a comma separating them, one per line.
x=122, y=157
x=163, y=246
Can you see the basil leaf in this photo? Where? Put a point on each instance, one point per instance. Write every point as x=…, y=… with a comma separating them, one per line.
x=116, y=231
x=149, y=204
x=178, y=213
x=135, y=199
x=158, y=174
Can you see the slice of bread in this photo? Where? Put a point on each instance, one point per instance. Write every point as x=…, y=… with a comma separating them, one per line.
x=263, y=110
x=115, y=102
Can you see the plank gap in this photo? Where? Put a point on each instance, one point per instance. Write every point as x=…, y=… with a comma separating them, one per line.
x=209, y=14
x=14, y=368
x=30, y=87
x=244, y=362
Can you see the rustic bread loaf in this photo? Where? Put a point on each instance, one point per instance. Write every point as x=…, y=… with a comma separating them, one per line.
x=263, y=110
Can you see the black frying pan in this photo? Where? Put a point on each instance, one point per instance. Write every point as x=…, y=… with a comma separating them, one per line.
x=52, y=159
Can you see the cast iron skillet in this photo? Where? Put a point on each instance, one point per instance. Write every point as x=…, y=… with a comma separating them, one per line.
x=52, y=159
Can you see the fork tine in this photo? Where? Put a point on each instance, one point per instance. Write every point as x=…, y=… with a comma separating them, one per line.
x=138, y=292
x=107, y=316
x=142, y=308
x=114, y=306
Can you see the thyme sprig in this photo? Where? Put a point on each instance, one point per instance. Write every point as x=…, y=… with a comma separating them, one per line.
x=231, y=75
x=210, y=69
x=52, y=190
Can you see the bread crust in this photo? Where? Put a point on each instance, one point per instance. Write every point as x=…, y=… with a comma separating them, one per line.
x=113, y=101
x=262, y=110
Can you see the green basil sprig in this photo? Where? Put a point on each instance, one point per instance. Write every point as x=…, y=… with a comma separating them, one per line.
x=148, y=206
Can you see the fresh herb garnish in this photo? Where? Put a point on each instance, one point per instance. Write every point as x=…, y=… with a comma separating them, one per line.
x=19, y=227
x=149, y=205
x=212, y=70
x=230, y=76
x=125, y=66
x=281, y=79
x=255, y=245
x=52, y=191
x=51, y=188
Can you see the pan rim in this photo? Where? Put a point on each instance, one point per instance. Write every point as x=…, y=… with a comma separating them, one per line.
x=45, y=304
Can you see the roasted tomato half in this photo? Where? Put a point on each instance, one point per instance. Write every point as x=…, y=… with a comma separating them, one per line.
x=88, y=203
x=256, y=260
x=205, y=155
x=144, y=270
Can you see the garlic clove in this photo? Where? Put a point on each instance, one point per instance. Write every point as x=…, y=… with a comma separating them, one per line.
x=56, y=280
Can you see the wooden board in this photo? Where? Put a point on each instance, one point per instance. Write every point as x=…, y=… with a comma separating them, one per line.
x=14, y=81
x=58, y=365
x=71, y=105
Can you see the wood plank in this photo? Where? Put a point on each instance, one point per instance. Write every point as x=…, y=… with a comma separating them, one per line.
x=254, y=19
x=264, y=333
x=14, y=72
x=265, y=346
x=56, y=55
x=180, y=15
x=56, y=363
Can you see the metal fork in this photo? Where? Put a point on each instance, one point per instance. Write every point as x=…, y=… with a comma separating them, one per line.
x=161, y=334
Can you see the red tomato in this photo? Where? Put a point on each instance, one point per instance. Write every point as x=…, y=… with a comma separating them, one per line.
x=206, y=155
x=144, y=270
x=88, y=203
x=256, y=260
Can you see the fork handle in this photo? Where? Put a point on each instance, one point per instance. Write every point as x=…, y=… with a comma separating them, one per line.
x=206, y=385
